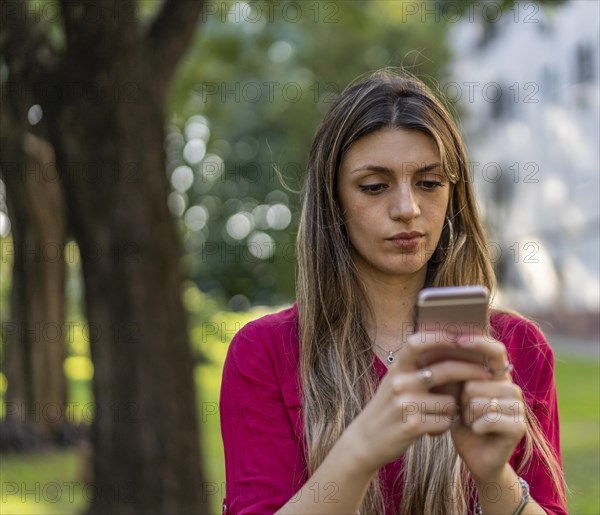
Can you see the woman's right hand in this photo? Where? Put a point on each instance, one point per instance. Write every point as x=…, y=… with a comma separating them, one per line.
x=403, y=407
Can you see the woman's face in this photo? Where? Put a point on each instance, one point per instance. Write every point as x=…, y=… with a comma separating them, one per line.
x=393, y=196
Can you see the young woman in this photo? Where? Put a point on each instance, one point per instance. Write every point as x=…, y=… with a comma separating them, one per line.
x=314, y=417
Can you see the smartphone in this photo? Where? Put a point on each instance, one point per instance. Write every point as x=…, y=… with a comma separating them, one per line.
x=453, y=309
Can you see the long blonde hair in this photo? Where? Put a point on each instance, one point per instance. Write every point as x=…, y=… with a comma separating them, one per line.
x=336, y=361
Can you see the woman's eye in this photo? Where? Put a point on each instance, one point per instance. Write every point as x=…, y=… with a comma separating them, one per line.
x=373, y=188
x=430, y=185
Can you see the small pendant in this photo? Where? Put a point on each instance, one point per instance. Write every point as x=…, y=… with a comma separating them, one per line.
x=391, y=358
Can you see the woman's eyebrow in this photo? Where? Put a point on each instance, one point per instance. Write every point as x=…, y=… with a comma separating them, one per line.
x=390, y=171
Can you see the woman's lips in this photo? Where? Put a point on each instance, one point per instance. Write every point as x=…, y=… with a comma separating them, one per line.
x=406, y=240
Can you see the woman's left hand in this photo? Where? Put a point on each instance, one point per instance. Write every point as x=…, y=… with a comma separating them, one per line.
x=492, y=418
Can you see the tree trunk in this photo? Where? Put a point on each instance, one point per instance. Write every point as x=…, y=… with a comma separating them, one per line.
x=103, y=100
x=109, y=143
x=34, y=337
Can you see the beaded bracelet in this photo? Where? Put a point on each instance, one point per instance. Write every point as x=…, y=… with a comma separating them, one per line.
x=520, y=507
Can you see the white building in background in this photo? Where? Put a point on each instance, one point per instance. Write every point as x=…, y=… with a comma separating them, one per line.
x=529, y=101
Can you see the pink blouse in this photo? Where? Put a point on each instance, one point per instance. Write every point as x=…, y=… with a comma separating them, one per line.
x=261, y=414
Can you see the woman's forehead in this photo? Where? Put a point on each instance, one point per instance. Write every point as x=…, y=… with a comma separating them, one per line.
x=392, y=149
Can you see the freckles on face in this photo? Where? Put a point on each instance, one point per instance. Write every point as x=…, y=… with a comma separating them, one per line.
x=393, y=195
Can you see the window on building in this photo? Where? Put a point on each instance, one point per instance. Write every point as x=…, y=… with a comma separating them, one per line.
x=584, y=62
x=502, y=101
x=488, y=33
x=549, y=84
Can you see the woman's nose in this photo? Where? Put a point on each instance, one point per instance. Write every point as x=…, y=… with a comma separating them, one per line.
x=404, y=203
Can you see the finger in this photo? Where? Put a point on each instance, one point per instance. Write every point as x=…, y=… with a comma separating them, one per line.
x=490, y=389
x=419, y=401
x=415, y=345
x=452, y=330
x=423, y=409
x=493, y=350
x=491, y=410
x=448, y=372
x=433, y=425
x=504, y=373
x=430, y=404
x=502, y=425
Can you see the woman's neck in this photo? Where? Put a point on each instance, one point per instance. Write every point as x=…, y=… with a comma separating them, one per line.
x=393, y=302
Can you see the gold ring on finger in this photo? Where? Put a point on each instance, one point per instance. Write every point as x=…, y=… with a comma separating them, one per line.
x=508, y=368
x=494, y=405
x=425, y=376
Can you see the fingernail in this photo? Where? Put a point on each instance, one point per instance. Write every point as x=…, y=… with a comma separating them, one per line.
x=465, y=339
x=462, y=341
x=453, y=335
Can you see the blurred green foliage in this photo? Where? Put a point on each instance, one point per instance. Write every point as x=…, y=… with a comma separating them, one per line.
x=246, y=102
x=248, y=97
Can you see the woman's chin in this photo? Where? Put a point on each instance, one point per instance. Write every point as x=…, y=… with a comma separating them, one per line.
x=407, y=269
x=437, y=433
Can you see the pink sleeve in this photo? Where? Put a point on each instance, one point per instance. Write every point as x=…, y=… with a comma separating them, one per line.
x=533, y=359
x=263, y=459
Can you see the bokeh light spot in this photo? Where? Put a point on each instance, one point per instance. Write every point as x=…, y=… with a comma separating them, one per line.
x=279, y=216
x=196, y=217
x=194, y=151
x=239, y=225
x=261, y=245
x=182, y=178
x=34, y=115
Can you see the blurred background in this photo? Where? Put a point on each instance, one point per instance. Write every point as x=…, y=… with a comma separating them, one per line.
x=152, y=155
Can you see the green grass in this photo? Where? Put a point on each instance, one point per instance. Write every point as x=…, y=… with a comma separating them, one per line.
x=209, y=380
x=42, y=484
x=38, y=483
x=578, y=385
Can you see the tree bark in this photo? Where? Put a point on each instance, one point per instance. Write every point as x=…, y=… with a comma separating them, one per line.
x=109, y=138
x=35, y=334
x=104, y=104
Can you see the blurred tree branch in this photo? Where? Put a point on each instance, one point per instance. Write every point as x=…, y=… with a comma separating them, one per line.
x=170, y=33
x=95, y=31
x=24, y=48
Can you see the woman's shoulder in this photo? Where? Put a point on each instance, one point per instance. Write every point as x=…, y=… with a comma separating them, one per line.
x=520, y=335
x=272, y=325
x=265, y=352
x=527, y=347
x=273, y=334
x=513, y=329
